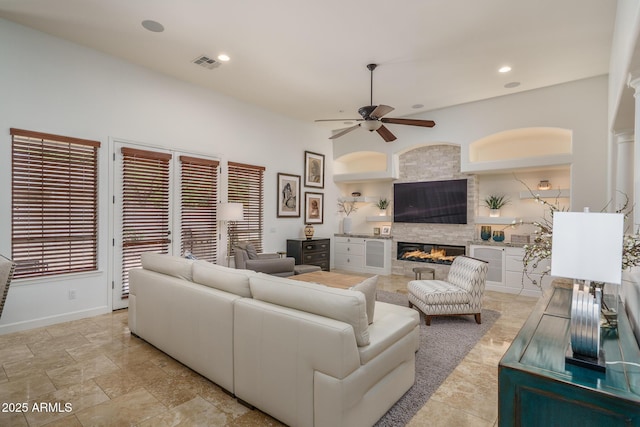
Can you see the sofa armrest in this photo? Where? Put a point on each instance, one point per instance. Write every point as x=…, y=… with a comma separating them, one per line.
x=271, y=266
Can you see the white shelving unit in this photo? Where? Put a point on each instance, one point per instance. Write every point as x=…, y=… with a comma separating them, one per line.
x=360, y=199
x=500, y=220
x=380, y=218
x=547, y=194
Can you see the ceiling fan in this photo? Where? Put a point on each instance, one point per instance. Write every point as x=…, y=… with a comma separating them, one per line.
x=372, y=118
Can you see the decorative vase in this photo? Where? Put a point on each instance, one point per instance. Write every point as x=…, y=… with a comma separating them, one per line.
x=382, y=212
x=485, y=232
x=346, y=225
x=494, y=213
x=498, y=236
x=308, y=231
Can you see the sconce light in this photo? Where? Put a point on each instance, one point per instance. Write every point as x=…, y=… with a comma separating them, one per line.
x=544, y=185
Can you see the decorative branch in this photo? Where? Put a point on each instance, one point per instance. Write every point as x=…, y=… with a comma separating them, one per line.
x=347, y=206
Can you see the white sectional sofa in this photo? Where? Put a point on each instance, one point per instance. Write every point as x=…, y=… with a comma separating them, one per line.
x=301, y=352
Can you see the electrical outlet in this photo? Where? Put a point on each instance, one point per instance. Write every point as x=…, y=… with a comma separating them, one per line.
x=72, y=294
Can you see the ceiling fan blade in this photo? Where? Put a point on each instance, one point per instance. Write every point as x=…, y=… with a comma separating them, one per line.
x=411, y=122
x=347, y=130
x=339, y=120
x=380, y=111
x=386, y=134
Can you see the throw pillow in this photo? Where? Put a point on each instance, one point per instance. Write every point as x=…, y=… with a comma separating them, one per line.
x=249, y=248
x=251, y=251
x=368, y=288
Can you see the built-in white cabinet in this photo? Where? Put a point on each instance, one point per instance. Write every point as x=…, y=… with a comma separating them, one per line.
x=494, y=255
x=363, y=255
x=529, y=283
x=505, y=272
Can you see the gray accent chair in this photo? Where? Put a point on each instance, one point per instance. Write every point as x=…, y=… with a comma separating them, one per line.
x=6, y=274
x=247, y=258
x=460, y=294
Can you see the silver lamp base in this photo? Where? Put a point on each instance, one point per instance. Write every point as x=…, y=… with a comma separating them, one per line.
x=584, y=349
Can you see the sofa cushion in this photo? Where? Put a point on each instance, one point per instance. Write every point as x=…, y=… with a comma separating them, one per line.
x=222, y=278
x=344, y=305
x=168, y=264
x=368, y=288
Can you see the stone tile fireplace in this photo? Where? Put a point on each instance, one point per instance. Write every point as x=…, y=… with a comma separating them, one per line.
x=430, y=163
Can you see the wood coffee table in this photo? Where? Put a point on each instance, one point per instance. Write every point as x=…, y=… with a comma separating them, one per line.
x=327, y=278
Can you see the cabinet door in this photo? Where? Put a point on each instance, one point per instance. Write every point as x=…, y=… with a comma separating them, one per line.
x=495, y=257
x=374, y=254
x=377, y=256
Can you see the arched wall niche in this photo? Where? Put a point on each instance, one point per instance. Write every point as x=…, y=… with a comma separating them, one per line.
x=360, y=162
x=521, y=144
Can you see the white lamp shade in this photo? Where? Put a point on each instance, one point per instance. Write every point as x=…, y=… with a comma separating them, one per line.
x=231, y=212
x=587, y=246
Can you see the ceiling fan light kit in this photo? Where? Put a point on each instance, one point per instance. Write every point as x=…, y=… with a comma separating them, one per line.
x=372, y=118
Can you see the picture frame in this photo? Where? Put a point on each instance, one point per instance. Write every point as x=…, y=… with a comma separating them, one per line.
x=313, y=169
x=314, y=208
x=376, y=231
x=385, y=230
x=288, y=195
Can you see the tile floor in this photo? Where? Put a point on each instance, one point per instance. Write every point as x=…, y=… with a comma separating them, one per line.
x=105, y=376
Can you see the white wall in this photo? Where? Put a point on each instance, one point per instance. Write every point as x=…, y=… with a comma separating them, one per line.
x=53, y=86
x=579, y=106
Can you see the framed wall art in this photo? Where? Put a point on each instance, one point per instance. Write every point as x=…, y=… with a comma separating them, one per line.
x=313, y=208
x=386, y=230
x=313, y=169
x=288, y=195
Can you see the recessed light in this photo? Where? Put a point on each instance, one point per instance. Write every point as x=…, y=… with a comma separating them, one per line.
x=512, y=85
x=416, y=106
x=153, y=26
x=504, y=69
x=223, y=57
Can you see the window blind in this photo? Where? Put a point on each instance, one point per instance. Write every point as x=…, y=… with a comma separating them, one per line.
x=145, y=207
x=199, y=190
x=246, y=186
x=54, y=219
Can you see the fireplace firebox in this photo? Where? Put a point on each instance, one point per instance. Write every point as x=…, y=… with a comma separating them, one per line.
x=429, y=252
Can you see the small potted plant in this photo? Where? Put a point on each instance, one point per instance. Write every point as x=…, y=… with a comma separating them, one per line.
x=494, y=203
x=383, y=204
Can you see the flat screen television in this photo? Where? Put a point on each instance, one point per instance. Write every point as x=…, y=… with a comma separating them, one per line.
x=434, y=202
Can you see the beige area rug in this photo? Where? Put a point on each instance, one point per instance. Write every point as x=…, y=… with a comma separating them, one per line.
x=443, y=345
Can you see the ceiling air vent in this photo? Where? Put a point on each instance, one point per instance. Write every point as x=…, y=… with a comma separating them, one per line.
x=206, y=62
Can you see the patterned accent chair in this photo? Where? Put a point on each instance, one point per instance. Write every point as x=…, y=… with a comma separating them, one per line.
x=460, y=294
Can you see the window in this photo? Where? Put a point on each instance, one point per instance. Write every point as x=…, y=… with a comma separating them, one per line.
x=199, y=188
x=145, y=207
x=54, y=218
x=246, y=186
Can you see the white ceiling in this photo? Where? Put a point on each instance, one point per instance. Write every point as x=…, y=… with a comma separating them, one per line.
x=307, y=59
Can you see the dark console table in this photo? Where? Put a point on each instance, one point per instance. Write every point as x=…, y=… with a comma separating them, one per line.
x=537, y=388
x=310, y=252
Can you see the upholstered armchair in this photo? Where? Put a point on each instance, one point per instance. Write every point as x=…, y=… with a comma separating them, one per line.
x=247, y=258
x=460, y=294
x=6, y=274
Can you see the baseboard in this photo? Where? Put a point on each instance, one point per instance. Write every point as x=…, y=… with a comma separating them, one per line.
x=52, y=320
